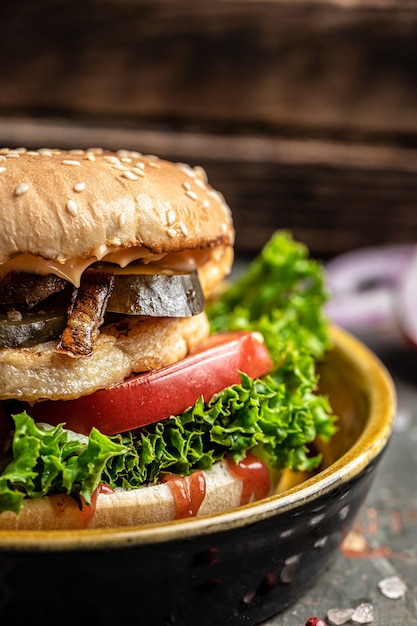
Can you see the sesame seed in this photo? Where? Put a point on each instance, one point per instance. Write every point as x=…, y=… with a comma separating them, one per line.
x=186, y=186
x=12, y=155
x=200, y=183
x=154, y=165
x=111, y=158
x=184, y=167
x=2, y=169
x=115, y=241
x=201, y=173
x=140, y=164
x=70, y=162
x=139, y=171
x=172, y=232
x=4, y=150
x=123, y=153
x=79, y=152
x=90, y=157
x=191, y=194
x=72, y=207
x=206, y=203
x=171, y=217
x=135, y=154
x=33, y=153
x=120, y=167
x=21, y=189
x=122, y=219
x=79, y=186
x=21, y=150
x=129, y=175
x=215, y=194
x=126, y=159
x=45, y=152
x=183, y=228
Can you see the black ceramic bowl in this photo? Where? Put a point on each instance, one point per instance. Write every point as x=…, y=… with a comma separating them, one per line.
x=239, y=567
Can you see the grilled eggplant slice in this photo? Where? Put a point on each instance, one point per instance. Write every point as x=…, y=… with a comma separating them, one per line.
x=151, y=295
x=157, y=295
x=22, y=330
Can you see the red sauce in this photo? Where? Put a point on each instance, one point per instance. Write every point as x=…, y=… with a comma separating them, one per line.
x=87, y=511
x=83, y=513
x=188, y=493
x=254, y=475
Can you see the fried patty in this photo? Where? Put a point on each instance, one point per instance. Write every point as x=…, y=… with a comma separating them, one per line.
x=130, y=346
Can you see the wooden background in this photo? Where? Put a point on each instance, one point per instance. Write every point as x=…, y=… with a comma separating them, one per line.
x=304, y=113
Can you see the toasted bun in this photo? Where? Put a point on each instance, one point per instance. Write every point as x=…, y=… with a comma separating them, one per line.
x=64, y=205
x=148, y=505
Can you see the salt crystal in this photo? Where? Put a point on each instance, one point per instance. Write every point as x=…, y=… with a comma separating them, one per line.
x=340, y=616
x=363, y=614
x=392, y=587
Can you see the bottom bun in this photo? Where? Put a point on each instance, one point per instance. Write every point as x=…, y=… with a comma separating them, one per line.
x=148, y=505
x=203, y=493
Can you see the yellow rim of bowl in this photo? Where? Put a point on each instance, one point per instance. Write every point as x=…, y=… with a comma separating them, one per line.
x=382, y=405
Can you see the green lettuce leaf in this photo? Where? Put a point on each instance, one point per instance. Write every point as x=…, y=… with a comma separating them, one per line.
x=281, y=294
x=50, y=461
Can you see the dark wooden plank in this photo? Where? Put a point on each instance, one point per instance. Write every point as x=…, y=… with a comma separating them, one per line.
x=333, y=67
x=332, y=195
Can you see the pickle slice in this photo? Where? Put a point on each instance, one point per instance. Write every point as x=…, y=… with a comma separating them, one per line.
x=157, y=295
x=26, y=329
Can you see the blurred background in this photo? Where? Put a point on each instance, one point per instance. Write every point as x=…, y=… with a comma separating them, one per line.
x=303, y=112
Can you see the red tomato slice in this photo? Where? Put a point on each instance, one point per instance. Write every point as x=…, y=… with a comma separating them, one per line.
x=156, y=395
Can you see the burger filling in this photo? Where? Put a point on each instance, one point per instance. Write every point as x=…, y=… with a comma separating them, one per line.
x=274, y=312
x=113, y=325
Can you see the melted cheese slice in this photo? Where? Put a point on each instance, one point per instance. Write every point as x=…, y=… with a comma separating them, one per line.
x=134, y=260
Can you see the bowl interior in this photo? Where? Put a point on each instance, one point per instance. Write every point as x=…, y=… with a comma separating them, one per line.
x=362, y=395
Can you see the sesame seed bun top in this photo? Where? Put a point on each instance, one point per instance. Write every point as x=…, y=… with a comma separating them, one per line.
x=64, y=205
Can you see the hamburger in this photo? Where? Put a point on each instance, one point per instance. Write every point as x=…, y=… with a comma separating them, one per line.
x=130, y=392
